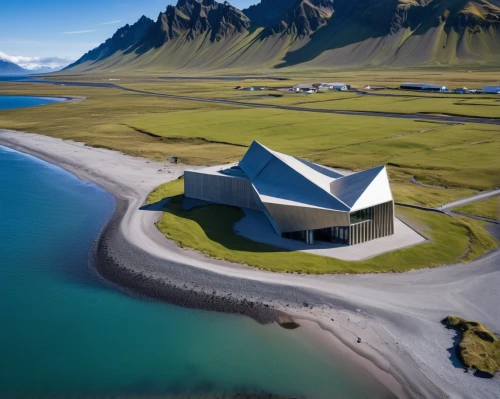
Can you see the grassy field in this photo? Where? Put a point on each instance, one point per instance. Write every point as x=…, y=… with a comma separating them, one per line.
x=209, y=230
x=99, y=122
x=479, y=348
x=457, y=160
x=486, y=106
x=452, y=77
x=488, y=208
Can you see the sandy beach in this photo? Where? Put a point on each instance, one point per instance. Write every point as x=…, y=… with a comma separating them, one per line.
x=397, y=316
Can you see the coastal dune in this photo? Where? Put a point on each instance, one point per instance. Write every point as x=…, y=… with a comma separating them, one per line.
x=404, y=346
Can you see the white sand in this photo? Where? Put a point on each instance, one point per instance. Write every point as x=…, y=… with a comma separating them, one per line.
x=396, y=315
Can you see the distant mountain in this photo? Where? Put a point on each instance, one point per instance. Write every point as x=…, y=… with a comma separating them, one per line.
x=9, y=68
x=194, y=18
x=202, y=35
x=120, y=41
x=268, y=12
x=303, y=18
x=44, y=69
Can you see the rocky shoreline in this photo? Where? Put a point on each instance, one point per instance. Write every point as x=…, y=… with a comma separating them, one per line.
x=140, y=273
x=388, y=311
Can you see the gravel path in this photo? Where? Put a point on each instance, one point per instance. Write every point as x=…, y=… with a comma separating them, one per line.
x=468, y=200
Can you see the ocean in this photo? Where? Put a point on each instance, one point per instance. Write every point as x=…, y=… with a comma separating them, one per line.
x=67, y=333
x=11, y=102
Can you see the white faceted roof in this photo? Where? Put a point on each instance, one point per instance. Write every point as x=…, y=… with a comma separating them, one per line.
x=283, y=179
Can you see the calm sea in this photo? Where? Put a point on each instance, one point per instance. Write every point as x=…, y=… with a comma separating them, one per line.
x=11, y=102
x=66, y=333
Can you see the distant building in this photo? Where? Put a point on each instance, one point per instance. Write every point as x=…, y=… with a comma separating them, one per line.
x=332, y=86
x=339, y=86
x=301, y=200
x=305, y=88
x=423, y=87
x=491, y=89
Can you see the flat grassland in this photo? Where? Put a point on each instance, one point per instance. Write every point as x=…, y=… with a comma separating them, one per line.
x=393, y=101
x=429, y=163
x=488, y=208
x=451, y=160
x=209, y=229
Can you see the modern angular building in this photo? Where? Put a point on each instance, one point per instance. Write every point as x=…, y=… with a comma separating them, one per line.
x=301, y=200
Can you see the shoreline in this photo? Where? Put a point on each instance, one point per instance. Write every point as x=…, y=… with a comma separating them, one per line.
x=215, y=285
x=66, y=99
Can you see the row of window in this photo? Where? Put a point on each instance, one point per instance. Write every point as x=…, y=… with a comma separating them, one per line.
x=335, y=234
x=330, y=234
x=340, y=234
x=361, y=216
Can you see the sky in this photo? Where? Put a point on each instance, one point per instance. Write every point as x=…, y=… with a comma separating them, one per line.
x=56, y=32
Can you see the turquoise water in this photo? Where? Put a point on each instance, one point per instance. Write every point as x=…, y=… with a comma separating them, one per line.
x=11, y=102
x=63, y=332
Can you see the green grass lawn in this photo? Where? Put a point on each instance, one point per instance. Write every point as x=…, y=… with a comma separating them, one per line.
x=478, y=106
x=458, y=160
x=99, y=122
x=474, y=105
x=488, y=208
x=479, y=348
x=209, y=230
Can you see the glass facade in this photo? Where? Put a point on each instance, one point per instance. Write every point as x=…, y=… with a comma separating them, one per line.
x=330, y=234
x=340, y=235
x=361, y=216
x=381, y=224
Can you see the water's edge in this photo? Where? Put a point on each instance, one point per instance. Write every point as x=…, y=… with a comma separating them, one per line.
x=112, y=257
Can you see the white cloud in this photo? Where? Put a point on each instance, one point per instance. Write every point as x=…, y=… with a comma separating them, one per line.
x=110, y=22
x=36, y=62
x=78, y=32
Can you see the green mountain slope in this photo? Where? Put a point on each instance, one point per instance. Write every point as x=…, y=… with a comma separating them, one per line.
x=204, y=35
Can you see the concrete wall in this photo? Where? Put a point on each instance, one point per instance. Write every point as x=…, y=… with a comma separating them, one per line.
x=297, y=218
x=381, y=225
x=227, y=190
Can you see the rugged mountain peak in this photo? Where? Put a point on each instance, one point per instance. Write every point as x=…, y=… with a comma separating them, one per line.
x=268, y=12
x=196, y=17
x=303, y=18
x=130, y=34
x=329, y=33
x=123, y=38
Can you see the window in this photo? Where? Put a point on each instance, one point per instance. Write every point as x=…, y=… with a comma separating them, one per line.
x=340, y=235
x=361, y=216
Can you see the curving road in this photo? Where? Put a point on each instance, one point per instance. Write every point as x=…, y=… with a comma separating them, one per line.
x=468, y=200
x=438, y=118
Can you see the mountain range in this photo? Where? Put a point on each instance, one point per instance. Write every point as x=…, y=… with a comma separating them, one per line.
x=204, y=35
x=10, y=68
